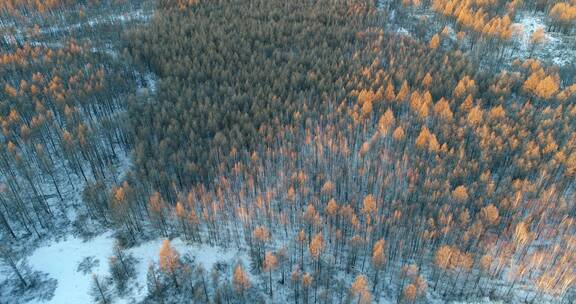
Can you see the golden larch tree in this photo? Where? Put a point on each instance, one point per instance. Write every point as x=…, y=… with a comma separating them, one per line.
x=270, y=263
x=434, y=42
x=240, y=280
x=169, y=260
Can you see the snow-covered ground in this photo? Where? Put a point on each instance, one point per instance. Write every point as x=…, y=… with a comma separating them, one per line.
x=403, y=31
x=147, y=83
x=61, y=260
x=12, y=34
x=484, y=301
x=557, y=46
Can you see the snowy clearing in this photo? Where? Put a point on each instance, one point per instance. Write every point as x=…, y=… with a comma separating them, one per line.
x=61, y=261
x=556, y=47
x=15, y=35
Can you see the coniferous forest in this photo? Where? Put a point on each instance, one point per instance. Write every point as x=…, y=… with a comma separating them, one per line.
x=283, y=151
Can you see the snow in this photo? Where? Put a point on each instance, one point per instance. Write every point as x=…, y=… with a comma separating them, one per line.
x=147, y=84
x=121, y=18
x=111, y=19
x=60, y=260
x=124, y=164
x=483, y=301
x=557, y=46
x=403, y=31
x=151, y=81
x=529, y=24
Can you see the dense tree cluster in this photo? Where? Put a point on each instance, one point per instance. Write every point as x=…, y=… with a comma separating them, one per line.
x=312, y=136
x=223, y=83
x=59, y=114
x=563, y=15
x=17, y=7
x=342, y=161
x=33, y=5
x=62, y=126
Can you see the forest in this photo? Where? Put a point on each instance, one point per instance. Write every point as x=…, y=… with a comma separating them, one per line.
x=272, y=151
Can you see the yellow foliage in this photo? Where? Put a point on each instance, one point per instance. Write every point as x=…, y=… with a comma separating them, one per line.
x=460, y=193
x=366, y=96
x=475, y=115
x=270, y=261
x=490, y=214
x=422, y=139
x=240, y=279
x=169, y=259
x=410, y=292
x=547, y=88
x=316, y=245
x=404, y=90
x=398, y=134
x=369, y=205
x=386, y=121
x=538, y=37
x=434, y=42
x=563, y=12
x=442, y=110
x=378, y=257
x=261, y=234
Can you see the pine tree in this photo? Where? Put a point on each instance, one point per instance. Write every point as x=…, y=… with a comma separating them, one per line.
x=434, y=42
x=155, y=286
x=240, y=280
x=460, y=194
x=360, y=289
x=306, y=283
x=8, y=258
x=378, y=260
x=270, y=263
x=100, y=290
x=169, y=260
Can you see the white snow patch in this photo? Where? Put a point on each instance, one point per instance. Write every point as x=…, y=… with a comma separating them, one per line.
x=124, y=164
x=403, y=31
x=112, y=19
x=556, y=47
x=151, y=81
x=148, y=84
x=559, y=61
x=60, y=260
x=529, y=23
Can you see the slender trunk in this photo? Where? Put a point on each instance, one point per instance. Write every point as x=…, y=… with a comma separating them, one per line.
x=15, y=269
x=270, y=279
x=56, y=186
x=100, y=290
x=204, y=287
x=6, y=224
